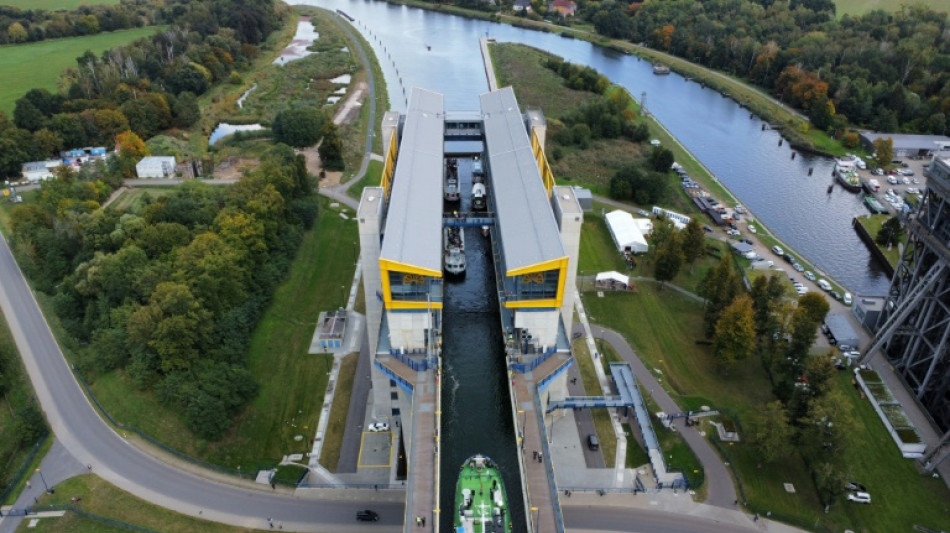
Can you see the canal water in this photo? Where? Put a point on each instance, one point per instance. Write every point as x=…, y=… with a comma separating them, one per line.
x=440, y=52
x=476, y=407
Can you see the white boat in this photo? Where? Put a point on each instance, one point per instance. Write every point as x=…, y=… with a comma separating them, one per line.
x=453, y=254
x=478, y=197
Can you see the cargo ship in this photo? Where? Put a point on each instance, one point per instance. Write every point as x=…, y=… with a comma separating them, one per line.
x=480, y=500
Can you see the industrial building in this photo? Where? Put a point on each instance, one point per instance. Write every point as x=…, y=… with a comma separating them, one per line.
x=534, y=229
x=914, y=325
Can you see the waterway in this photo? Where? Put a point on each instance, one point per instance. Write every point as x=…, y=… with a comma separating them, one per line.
x=440, y=52
x=476, y=412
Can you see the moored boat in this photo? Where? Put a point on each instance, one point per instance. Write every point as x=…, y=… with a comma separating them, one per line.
x=478, y=197
x=451, y=184
x=453, y=252
x=660, y=69
x=874, y=205
x=847, y=175
x=480, y=501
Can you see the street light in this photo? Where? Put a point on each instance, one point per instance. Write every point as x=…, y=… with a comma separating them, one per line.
x=43, y=479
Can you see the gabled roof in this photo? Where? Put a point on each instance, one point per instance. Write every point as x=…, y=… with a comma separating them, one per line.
x=529, y=233
x=565, y=4
x=414, y=223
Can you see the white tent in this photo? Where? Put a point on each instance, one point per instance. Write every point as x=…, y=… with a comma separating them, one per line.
x=626, y=232
x=606, y=278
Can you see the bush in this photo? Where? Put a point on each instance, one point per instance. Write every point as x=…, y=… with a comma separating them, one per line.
x=298, y=127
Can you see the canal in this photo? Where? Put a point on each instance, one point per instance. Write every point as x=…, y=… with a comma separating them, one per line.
x=440, y=52
x=476, y=407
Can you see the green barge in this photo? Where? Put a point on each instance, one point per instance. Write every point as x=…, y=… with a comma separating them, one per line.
x=480, y=499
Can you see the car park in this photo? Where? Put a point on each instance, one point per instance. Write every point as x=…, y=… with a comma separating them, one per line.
x=365, y=515
x=859, y=497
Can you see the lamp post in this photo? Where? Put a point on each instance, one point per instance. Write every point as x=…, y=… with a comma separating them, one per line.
x=43, y=479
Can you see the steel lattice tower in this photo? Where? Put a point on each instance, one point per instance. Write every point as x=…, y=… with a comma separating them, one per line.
x=914, y=327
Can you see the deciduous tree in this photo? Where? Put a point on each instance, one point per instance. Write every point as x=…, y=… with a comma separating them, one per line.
x=735, y=333
x=770, y=432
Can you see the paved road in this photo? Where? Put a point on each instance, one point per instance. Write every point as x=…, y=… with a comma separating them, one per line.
x=584, y=419
x=720, y=488
x=87, y=437
x=595, y=518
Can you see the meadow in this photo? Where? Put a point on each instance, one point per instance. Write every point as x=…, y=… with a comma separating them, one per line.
x=19, y=62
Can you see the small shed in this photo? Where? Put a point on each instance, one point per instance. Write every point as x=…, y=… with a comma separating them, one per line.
x=156, y=167
x=612, y=280
x=841, y=329
x=331, y=328
x=36, y=171
x=626, y=233
x=867, y=309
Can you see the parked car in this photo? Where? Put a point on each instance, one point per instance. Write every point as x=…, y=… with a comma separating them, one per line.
x=366, y=515
x=789, y=259
x=809, y=275
x=859, y=497
x=846, y=299
x=878, y=172
x=893, y=180
x=825, y=286
x=798, y=267
x=855, y=486
x=836, y=295
x=777, y=250
x=376, y=427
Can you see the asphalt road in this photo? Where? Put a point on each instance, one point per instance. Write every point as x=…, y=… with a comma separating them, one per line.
x=93, y=443
x=584, y=420
x=595, y=518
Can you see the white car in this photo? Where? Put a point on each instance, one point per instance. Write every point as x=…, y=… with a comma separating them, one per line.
x=825, y=286
x=809, y=276
x=859, y=497
x=777, y=250
x=376, y=427
x=893, y=180
x=858, y=162
x=847, y=298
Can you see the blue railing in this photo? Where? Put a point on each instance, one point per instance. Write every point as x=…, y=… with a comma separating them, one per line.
x=548, y=465
x=543, y=384
x=418, y=366
x=403, y=384
x=522, y=368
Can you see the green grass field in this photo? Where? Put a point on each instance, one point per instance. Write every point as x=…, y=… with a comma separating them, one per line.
x=859, y=7
x=664, y=326
x=19, y=63
x=597, y=250
x=292, y=382
x=102, y=499
x=873, y=223
x=133, y=199
x=336, y=426
x=55, y=5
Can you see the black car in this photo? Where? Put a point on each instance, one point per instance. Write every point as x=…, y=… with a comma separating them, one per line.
x=747, y=241
x=854, y=485
x=367, y=516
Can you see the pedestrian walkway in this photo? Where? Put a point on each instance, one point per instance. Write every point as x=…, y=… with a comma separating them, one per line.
x=422, y=498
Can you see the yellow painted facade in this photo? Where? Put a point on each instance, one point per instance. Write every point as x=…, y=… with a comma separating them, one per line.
x=560, y=265
x=386, y=266
x=389, y=164
x=547, y=177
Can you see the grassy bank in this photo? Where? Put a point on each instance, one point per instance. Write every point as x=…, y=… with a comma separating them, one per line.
x=292, y=383
x=19, y=62
x=336, y=426
x=99, y=498
x=602, y=425
x=873, y=223
x=664, y=328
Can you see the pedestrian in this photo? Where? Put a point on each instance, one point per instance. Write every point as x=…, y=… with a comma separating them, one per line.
x=534, y=454
x=418, y=521
x=423, y=521
x=28, y=484
x=376, y=488
x=755, y=518
x=89, y=466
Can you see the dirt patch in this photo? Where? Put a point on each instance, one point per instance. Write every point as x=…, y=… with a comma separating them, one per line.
x=350, y=110
x=234, y=167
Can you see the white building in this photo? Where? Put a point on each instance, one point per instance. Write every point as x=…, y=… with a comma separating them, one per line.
x=626, y=233
x=36, y=171
x=156, y=167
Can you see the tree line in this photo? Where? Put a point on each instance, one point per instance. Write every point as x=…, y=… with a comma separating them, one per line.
x=32, y=25
x=146, y=86
x=881, y=70
x=169, y=293
x=808, y=417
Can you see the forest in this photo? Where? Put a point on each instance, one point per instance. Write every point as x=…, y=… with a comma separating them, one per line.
x=883, y=71
x=170, y=292
x=147, y=86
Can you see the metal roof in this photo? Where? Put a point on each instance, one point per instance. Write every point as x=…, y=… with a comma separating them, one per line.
x=529, y=233
x=910, y=141
x=414, y=223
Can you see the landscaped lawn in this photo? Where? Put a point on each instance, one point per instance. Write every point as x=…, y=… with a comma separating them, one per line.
x=597, y=250
x=664, y=327
x=134, y=198
x=873, y=223
x=291, y=382
x=38, y=65
x=99, y=498
x=373, y=174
